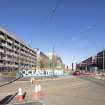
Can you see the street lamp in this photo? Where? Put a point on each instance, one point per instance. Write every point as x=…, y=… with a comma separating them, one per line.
x=19, y=56
x=53, y=61
x=53, y=58
x=74, y=65
x=103, y=59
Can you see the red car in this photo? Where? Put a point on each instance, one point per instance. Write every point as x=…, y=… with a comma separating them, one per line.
x=77, y=73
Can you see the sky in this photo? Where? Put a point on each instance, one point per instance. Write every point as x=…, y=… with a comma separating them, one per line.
x=75, y=28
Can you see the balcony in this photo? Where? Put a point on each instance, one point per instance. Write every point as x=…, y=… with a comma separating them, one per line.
x=1, y=50
x=2, y=37
x=1, y=64
x=8, y=46
x=22, y=53
x=10, y=41
x=15, y=65
x=4, y=44
x=7, y=59
x=9, y=53
x=16, y=60
x=10, y=65
x=16, y=55
x=15, y=49
x=16, y=44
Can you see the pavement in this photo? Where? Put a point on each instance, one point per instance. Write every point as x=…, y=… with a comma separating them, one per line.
x=100, y=76
x=68, y=90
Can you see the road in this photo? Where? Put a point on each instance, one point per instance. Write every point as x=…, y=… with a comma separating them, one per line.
x=6, y=79
x=63, y=91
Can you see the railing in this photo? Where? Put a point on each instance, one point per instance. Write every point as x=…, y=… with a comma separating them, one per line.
x=2, y=37
x=1, y=64
x=8, y=40
x=10, y=47
x=15, y=60
x=15, y=65
x=4, y=44
x=1, y=50
x=9, y=53
x=8, y=59
x=16, y=44
x=16, y=55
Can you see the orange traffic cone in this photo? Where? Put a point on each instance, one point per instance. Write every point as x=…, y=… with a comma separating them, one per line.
x=40, y=92
x=32, y=81
x=20, y=95
x=35, y=94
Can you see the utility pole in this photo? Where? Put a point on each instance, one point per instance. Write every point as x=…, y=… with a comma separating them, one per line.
x=86, y=66
x=38, y=59
x=103, y=59
x=72, y=66
x=53, y=58
x=53, y=64
x=19, y=56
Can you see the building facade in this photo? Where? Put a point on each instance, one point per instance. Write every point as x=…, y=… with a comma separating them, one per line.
x=14, y=53
x=93, y=63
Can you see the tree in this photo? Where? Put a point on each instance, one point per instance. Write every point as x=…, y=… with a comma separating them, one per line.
x=43, y=63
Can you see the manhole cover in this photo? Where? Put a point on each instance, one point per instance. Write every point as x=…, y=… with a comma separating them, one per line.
x=30, y=103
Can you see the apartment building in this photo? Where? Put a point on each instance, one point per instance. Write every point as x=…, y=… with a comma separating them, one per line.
x=14, y=53
x=89, y=64
x=95, y=63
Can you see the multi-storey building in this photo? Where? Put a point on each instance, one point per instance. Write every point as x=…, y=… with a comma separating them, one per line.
x=101, y=60
x=93, y=63
x=88, y=65
x=14, y=53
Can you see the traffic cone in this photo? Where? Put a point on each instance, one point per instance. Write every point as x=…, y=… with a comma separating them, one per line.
x=32, y=81
x=40, y=92
x=20, y=95
x=35, y=94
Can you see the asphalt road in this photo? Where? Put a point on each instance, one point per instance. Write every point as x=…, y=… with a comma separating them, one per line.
x=75, y=91
x=6, y=79
x=63, y=91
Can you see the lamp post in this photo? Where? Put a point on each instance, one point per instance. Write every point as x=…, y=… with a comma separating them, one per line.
x=19, y=59
x=53, y=61
x=53, y=58
x=72, y=66
x=103, y=59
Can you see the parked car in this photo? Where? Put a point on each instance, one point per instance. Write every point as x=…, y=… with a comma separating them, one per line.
x=77, y=73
